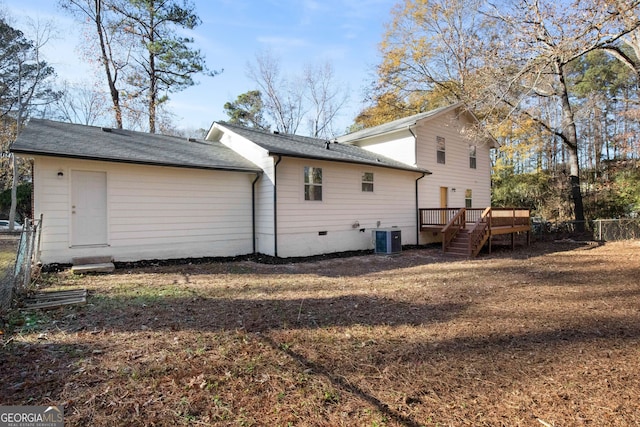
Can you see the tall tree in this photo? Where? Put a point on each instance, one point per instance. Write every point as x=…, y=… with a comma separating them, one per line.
x=166, y=62
x=314, y=96
x=283, y=96
x=25, y=86
x=110, y=47
x=432, y=45
x=81, y=104
x=138, y=45
x=506, y=60
x=247, y=110
x=326, y=98
x=539, y=40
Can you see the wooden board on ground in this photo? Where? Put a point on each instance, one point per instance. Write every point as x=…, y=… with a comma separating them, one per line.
x=54, y=299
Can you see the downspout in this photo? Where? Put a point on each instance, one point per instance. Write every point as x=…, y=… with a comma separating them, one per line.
x=275, y=207
x=415, y=145
x=253, y=209
x=418, y=211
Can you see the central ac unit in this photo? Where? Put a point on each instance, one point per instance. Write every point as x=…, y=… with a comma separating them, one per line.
x=387, y=241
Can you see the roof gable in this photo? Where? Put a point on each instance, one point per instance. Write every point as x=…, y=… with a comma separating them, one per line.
x=405, y=124
x=396, y=125
x=312, y=148
x=58, y=139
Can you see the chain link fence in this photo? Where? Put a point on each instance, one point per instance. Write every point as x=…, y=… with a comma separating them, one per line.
x=602, y=230
x=19, y=255
x=616, y=229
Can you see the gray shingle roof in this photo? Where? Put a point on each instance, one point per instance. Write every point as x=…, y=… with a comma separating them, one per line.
x=395, y=125
x=50, y=138
x=315, y=148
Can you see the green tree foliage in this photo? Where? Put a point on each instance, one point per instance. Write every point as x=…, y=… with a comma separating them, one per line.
x=527, y=190
x=166, y=62
x=513, y=63
x=141, y=46
x=24, y=76
x=23, y=207
x=247, y=110
x=25, y=88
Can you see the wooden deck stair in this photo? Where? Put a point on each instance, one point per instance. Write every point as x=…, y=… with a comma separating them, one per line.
x=459, y=246
x=465, y=231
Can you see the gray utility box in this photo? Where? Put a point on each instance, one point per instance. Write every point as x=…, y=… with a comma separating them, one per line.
x=387, y=241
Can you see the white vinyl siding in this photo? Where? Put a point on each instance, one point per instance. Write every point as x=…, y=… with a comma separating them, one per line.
x=347, y=214
x=153, y=212
x=399, y=146
x=264, y=188
x=456, y=173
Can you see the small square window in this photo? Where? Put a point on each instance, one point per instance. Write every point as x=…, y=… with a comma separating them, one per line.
x=367, y=182
x=440, y=143
x=312, y=183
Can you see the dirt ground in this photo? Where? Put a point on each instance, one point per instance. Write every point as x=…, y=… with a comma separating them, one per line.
x=543, y=336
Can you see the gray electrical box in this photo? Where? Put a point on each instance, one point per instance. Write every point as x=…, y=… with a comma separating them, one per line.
x=387, y=241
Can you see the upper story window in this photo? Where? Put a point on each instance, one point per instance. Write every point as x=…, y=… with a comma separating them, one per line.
x=440, y=147
x=367, y=182
x=312, y=183
x=472, y=156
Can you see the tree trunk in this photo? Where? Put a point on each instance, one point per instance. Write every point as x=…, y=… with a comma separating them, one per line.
x=569, y=135
x=152, y=96
x=111, y=79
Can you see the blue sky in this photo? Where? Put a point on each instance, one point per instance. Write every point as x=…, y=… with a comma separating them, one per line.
x=344, y=32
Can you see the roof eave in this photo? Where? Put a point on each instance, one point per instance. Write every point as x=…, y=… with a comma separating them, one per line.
x=133, y=162
x=353, y=162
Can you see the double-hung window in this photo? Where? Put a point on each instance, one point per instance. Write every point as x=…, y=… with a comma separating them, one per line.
x=440, y=143
x=312, y=183
x=367, y=182
x=472, y=156
x=467, y=199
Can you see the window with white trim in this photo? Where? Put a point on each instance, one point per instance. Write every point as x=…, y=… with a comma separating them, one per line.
x=440, y=143
x=367, y=182
x=312, y=183
x=472, y=156
x=467, y=198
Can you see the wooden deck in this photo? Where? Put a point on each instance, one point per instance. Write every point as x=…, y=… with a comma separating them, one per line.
x=465, y=231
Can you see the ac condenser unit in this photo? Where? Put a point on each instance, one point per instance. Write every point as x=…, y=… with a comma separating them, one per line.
x=387, y=241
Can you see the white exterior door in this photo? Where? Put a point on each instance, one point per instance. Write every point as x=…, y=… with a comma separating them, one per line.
x=88, y=208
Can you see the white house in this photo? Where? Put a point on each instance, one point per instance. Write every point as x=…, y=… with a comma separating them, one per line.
x=134, y=196
x=448, y=142
x=318, y=196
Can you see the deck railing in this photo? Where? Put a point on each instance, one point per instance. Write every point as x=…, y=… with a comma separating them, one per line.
x=452, y=228
x=439, y=217
x=479, y=233
x=480, y=223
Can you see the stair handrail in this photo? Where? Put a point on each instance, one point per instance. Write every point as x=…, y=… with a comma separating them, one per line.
x=454, y=225
x=479, y=232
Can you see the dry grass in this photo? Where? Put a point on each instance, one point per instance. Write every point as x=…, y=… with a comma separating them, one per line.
x=542, y=336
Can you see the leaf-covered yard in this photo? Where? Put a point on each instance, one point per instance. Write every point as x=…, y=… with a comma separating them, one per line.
x=547, y=335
